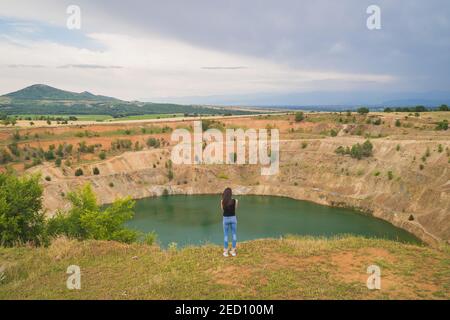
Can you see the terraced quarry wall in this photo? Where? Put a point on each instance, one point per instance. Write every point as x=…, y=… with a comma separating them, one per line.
x=415, y=199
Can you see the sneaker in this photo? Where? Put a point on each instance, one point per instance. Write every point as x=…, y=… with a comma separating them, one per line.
x=225, y=253
x=233, y=252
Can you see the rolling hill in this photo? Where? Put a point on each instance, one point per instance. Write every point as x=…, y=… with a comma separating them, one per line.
x=44, y=92
x=40, y=99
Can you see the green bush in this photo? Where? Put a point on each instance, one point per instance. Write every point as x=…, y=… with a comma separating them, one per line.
x=152, y=142
x=299, y=116
x=150, y=238
x=102, y=155
x=95, y=171
x=78, y=172
x=21, y=218
x=443, y=125
x=357, y=151
x=85, y=220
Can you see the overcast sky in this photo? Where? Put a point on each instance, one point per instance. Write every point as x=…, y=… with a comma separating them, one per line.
x=288, y=52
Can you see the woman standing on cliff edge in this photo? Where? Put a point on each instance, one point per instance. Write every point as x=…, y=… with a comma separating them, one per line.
x=229, y=206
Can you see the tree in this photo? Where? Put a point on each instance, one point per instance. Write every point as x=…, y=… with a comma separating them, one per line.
x=78, y=172
x=357, y=151
x=21, y=219
x=85, y=220
x=363, y=110
x=299, y=116
x=444, y=107
x=420, y=109
x=95, y=171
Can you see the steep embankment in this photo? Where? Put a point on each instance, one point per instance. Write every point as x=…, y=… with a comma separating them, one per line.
x=414, y=198
x=289, y=268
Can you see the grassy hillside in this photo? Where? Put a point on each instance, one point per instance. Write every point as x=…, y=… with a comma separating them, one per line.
x=41, y=99
x=291, y=268
x=44, y=92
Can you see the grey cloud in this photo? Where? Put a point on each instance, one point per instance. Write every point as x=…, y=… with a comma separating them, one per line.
x=324, y=35
x=224, y=68
x=26, y=66
x=88, y=66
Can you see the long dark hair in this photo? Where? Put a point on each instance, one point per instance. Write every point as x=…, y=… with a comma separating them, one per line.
x=226, y=197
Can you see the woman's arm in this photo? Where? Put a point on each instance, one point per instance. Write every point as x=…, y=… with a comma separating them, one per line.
x=221, y=204
x=236, y=203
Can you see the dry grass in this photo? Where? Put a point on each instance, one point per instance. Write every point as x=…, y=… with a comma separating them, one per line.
x=290, y=268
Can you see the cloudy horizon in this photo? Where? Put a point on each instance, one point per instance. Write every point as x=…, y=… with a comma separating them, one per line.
x=230, y=52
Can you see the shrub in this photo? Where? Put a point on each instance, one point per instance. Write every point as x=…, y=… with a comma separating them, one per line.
x=152, y=142
x=78, y=172
x=95, y=171
x=390, y=175
x=111, y=184
x=333, y=133
x=150, y=238
x=397, y=123
x=21, y=217
x=170, y=175
x=85, y=220
x=359, y=151
x=49, y=155
x=304, y=145
x=102, y=155
x=440, y=148
x=299, y=116
x=121, y=144
x=443, y=125
x=48, y=178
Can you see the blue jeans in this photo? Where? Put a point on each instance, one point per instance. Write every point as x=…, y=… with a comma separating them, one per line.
x=229, y=223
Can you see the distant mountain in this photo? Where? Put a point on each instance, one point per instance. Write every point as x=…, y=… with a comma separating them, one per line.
x=416, y=102
x=44, y=92
x=41, y=99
